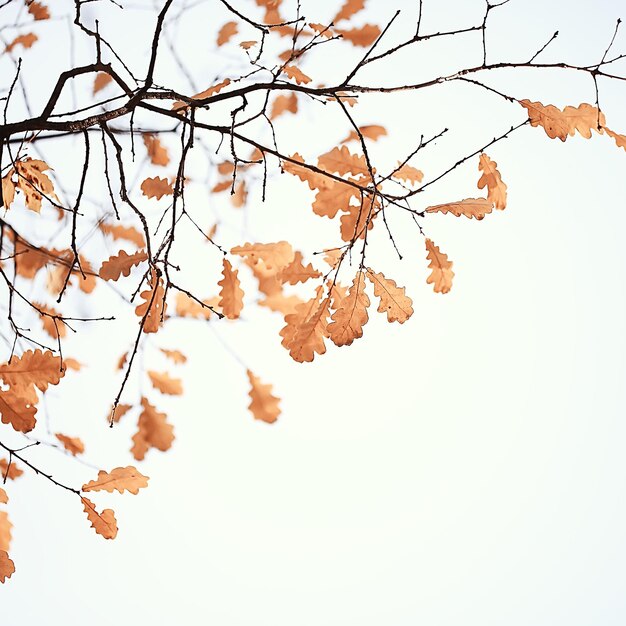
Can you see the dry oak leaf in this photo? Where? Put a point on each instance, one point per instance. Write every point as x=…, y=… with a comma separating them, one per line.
x=128, y=233
x=101, y=80
x=22, y=40
x=179, y=105
x=620, y=140
x=275, y=256
x=118, y=412
x=496, y=189
x=296, y=74
x=30, y=260
x=334, y=197
x=119, y=479
x=4, y=499
x=156, y=151
x=33, y=368
x=348, y=320
x=175, y=355
x=152, y=311
x=50, y=320
x=315, y=180
x=284, y=104
x=393, y=299
x=442, y=274
x=470, y=207
x=72, y=364
x=38, y=11
x=583, y=118
x=33, y=182
x=269, y=279
x=238, y=199
x=296, y=272
x=222, y=185
x=5, y=531
x=231, y=294
x=357, y=221
x=9, y=471
x=407, y=173
x=281, y=303
x=188, y=307
x=103, y=523
x=349, y=8
x=59, y=275
x=246, y=45
x=165, y=384
x=305, y=329
x=7, y=567
x=156, y=187
x=341, y=161
x=153, y=431
x=363, y=36
x=72, y=444
x=121, y=263
x=17, y=411
x=263, y=405
x=372, y=131
x=226, y=32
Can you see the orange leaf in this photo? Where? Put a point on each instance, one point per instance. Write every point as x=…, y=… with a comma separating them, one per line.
x=7, y=567
x=103, y=523
x=393, y=299
x=156, y=187
x=152, y=311
x=408, y=174
x=153, y=431
x=9, y=472
x=340, y=160
x=5, y=531
x=296, y=272
x=4, y=499
x=373, y=132
x=296, y=74
x=583, y=118
x=226, y=32
x=55, y=330
x=442, y=274
x=71, y=444
x=129, y=233
x=231, y=294
x=188, y=307
x=122, y=263
x=179, y=105
x=246, y=45
x=33, y=368
x=33, y=182
x=282, y=104
x=120, y=479
x=348, y=320
x=263, y=405
x=101, y=80
x=274, y=255
x=165, y=384
x=120, y=411
x=363, y=36
x=17, y=411
x=349, y=8
x=496, y=189
x=38, y=11
x=470, y=207
x=22, y=40
x=175, y=355
x=156, y=151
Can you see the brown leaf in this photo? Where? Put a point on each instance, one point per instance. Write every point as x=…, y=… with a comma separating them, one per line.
x=33, y=368
x=120, y=479
x=7, y=567
x=121, y=264
x=373, y=132
x=407, y=173
x=275, y=256
x=281, y=303
x=4, y=499
x=165, y=384
x=246, y=45
x=442, y=274
x=496, y=189
x=322, y=30
x=238, y=199
x=334, y=197
x=48, y=315
x=349, y=8
x=5, y=531
x=10, y=472
x=357, y=221
x=620, y=140
x=153, y=431
x=296, y=272
x=156, y=187
x=348, y=320
x=583, y=118
x=188, y=307
x=470, y=207
x=393, y=299
x=120, y=411
x=8, y=189
x=341, y=161
x=72, y=444
x=175, y=355
x=284, y=104
x=33, y=182
x=231, y=294
x=103, y=523
x=38, y=11
x=313, y=179
x=179, y=105
x=17, y=411
x=226, y=32
x=101, y=80
x=263, y=405
x=156, y=151
x=129, y=233
x=26, y=41
x=364, y=36
x=152, y=311
x=296, y=74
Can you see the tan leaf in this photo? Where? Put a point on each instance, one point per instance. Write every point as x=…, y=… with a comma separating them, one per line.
x=296, y=272
x=226, y=32
x=393, y=299
x=246, y=45
x=363, y=36
x=373, y=132
x=72, y=364
x=5, y=531
x=157, y=153
x=320, y=29
x=156, y=187
x=357, y=221
x=263, y=405
x=103, y=523
x=179, y=105
x=26, y=41
x=313, y=179
x=407, y=173
x=238, y=199
x=349, y=8
x=470, y=207
x=55, y=330
x=129, y=233
x=153, y=309
x=620, y=140
x=222, y=185
x=120, y=479
x=33, y=368
x=119, y=412
x=39, y=11
x=17, y=411
x=496, y=189
x=281, y=303
x=33, y=182
x=175, y=355
x=4, y=499
x=335, y=197
x=348, y=320
x=10, y=472
x=7, y=567
x=231, y=294
x=72, y=444
x=296, y=74
x=101, y=80
x=153, y=431
x=188, y=307
x=284, y=104
x=121, y=264
x=442, y=274
x=165, y=384
x=341, y=161
x=275, y=256
x=8, y=189
x=583, y=118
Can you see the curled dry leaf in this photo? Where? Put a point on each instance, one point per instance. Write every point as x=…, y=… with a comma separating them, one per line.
x=72, y=444
x=275, y=256
x=33, y=182
x=225, y=33
x=156, y=187
x=103, y=523
x=231, y=294
x=263, y=405
x=7, y=567
x=351, y=315
x=121, y=264
x=470, y=207
x=152, y=311
x=496, y=189
x=119, y=479
x=165, y=384
x=393, y=299
x=153, y=431
x=181, y=106
x=442, y=274
x=156, y=151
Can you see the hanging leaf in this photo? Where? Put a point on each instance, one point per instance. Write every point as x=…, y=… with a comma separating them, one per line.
x=121, y=264
x=120, y=479
x=165, y=384
x=263, y=405
x=72, y=444
x=351, y=315
x=231, y=294
x=225, y=33
x=393, y=299
x=7, y=567
x=156, y=152
x=103, y=523
x=471, y=207
x=442, y=274
x=153, y=431
x=156, y=188
x=152, y=311
x=496, y=189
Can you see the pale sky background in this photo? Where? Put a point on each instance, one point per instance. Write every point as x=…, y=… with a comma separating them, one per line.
x=466, y=468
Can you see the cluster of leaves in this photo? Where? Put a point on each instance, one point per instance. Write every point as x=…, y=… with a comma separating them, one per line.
x=329, y=302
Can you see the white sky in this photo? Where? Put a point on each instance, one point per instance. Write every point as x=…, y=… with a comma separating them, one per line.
x=465, y=468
